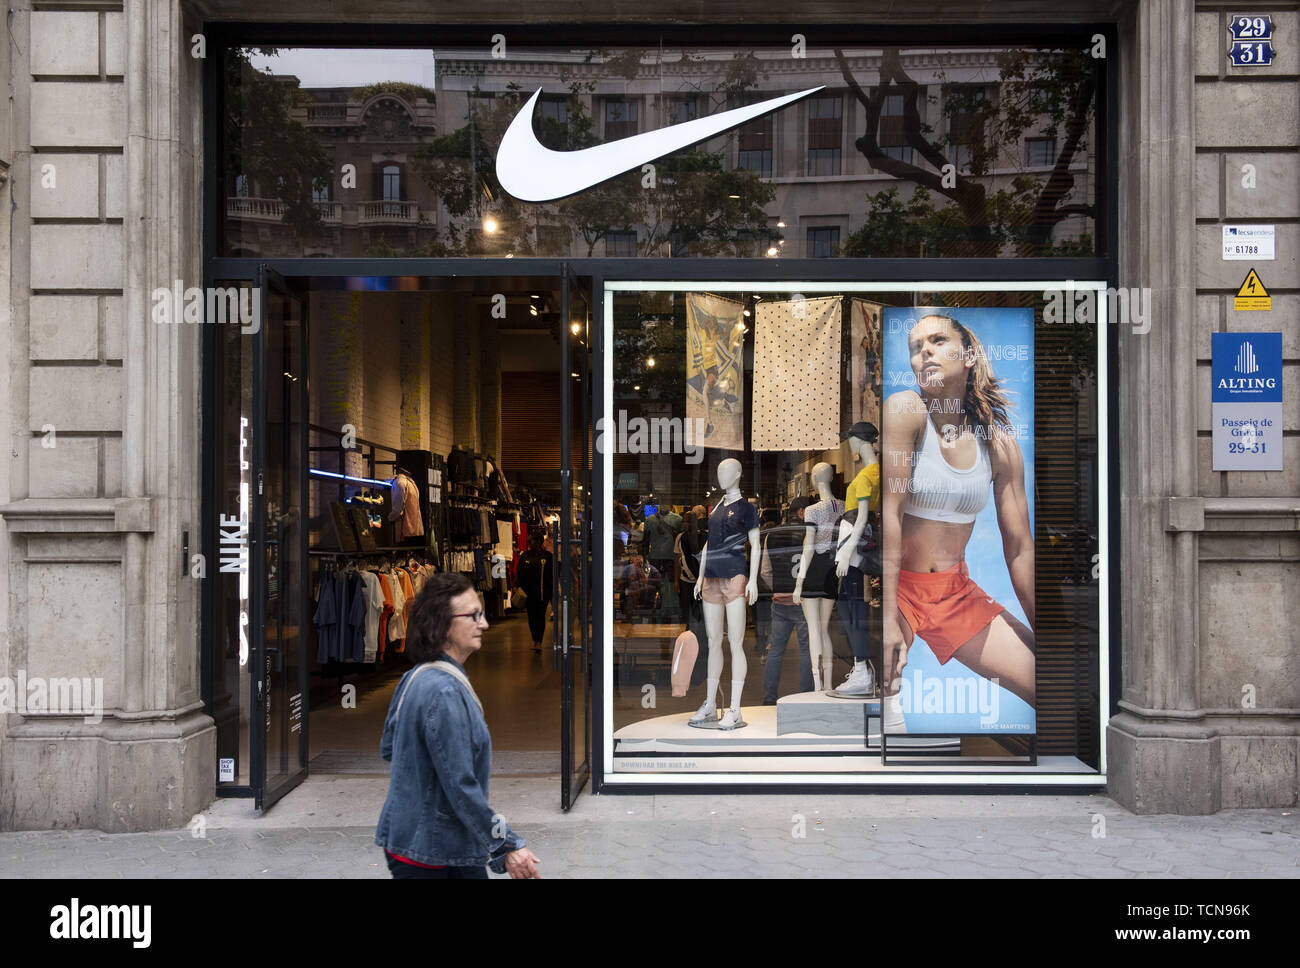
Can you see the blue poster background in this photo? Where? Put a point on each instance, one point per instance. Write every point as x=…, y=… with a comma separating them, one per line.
x=1008, y=339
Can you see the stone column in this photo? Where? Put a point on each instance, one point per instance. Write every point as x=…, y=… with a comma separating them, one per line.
x=1162, y=756
x=98, y=570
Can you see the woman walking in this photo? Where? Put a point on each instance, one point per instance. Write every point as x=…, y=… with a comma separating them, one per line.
x=436, y=822
x=533, y=575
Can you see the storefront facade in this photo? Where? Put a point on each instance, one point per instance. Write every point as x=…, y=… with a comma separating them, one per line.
x=1057, y=187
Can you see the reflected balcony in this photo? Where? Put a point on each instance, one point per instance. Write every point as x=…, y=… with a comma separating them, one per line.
x=388, y=212
x=272, y=209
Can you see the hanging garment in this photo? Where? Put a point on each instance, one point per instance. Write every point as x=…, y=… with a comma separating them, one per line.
x=408, y=593
x=397, y=623
x=406, y=509
x=326, y=618
x=354, y=645
x=797, y=374
x=386, y=587
x=374, y=601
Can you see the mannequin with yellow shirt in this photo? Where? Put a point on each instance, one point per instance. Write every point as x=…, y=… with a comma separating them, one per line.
x=862, y=497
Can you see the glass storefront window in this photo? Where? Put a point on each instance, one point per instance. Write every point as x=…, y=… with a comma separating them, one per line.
x=754, y=425
x=959, y=151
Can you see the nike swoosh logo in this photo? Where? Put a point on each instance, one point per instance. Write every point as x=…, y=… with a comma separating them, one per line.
x=531, y=172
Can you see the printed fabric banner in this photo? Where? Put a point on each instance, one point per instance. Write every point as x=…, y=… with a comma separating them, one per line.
x=864, y=337
x=797, y=374
x=715, y=386
x=959, y=630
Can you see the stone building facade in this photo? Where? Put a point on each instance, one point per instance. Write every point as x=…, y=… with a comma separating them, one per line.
x=101, y=143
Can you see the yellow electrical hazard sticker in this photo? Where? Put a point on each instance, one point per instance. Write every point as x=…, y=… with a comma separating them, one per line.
x=1252, y=294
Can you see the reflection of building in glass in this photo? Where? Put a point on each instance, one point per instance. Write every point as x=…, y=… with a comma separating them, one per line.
x=901, y=153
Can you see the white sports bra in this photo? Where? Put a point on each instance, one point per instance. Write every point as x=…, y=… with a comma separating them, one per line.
x=940, y=492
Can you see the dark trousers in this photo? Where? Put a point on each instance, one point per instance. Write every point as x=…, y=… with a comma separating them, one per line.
x=762, y=624
x=403, y=871
x=536, y=618
x=855, y=613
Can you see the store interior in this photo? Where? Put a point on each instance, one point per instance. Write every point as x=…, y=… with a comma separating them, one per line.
x=454, y=386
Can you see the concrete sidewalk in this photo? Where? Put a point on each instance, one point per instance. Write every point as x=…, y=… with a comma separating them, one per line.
x=325, y=828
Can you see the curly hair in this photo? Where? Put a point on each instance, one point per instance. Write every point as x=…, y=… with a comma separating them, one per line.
x=431, y=617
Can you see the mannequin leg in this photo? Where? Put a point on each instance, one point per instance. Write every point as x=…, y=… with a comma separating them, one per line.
x=825, y=606
x=713, y=625
x=812, y=614
x=736, y=638
x=731, y=719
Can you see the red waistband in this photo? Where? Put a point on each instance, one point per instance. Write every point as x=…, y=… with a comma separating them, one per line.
x=414, y=863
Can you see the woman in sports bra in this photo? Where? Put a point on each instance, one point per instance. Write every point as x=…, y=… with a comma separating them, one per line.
x=947, y=447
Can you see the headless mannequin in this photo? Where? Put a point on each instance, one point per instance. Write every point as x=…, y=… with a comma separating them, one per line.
x=817, y=610
x=864, y=451
x=732, y=613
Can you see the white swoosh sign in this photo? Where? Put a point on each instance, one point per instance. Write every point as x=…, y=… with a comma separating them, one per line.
x=531, y=172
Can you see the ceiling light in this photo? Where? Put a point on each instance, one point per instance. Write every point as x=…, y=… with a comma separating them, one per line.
x=532, y=310
x=650, y=362
x=780, y=225
x=637, y=387
x=772, y=250
x=490, y=225
x=575, y=329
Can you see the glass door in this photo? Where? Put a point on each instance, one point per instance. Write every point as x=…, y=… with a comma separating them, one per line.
x=279, y=542
x=573, y=636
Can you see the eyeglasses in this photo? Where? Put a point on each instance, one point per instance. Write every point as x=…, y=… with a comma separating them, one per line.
x=476, y=615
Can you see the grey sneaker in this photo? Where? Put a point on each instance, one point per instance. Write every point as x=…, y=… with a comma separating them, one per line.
x=861, y=681
x=730, y=719
x=708, y=713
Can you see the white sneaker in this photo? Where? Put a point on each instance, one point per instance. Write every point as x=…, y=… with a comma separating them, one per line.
x=730, y=719
x=708, y=713
x=861, y=681
x=891, y=715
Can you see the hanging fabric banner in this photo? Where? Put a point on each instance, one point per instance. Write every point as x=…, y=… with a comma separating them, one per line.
x=715, y=388
x=797, y=374
x=864, y=340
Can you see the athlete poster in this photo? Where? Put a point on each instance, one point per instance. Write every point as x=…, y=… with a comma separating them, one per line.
x=715, y=387
x=958, y=463
x=865, y=359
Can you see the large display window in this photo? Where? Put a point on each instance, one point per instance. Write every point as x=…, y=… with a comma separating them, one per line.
x=855, y=532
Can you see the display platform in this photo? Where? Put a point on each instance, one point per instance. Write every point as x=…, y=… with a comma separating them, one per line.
x=824, y=715
x=673, y=734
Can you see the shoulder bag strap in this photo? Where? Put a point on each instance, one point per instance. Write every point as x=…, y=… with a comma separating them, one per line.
x=455, y=673
x=407, y=688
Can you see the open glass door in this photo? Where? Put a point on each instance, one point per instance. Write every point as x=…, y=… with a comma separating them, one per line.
x=279, y=542
x=573, y=544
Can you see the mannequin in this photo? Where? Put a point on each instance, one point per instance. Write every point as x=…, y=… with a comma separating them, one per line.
x=863, y=497
x=732, y=523
x=817, y=596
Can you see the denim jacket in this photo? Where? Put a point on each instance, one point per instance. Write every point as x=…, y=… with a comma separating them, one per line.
x=437, y=807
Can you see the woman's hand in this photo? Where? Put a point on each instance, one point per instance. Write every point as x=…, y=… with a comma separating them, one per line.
x=894, y=647
x=522, y=864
